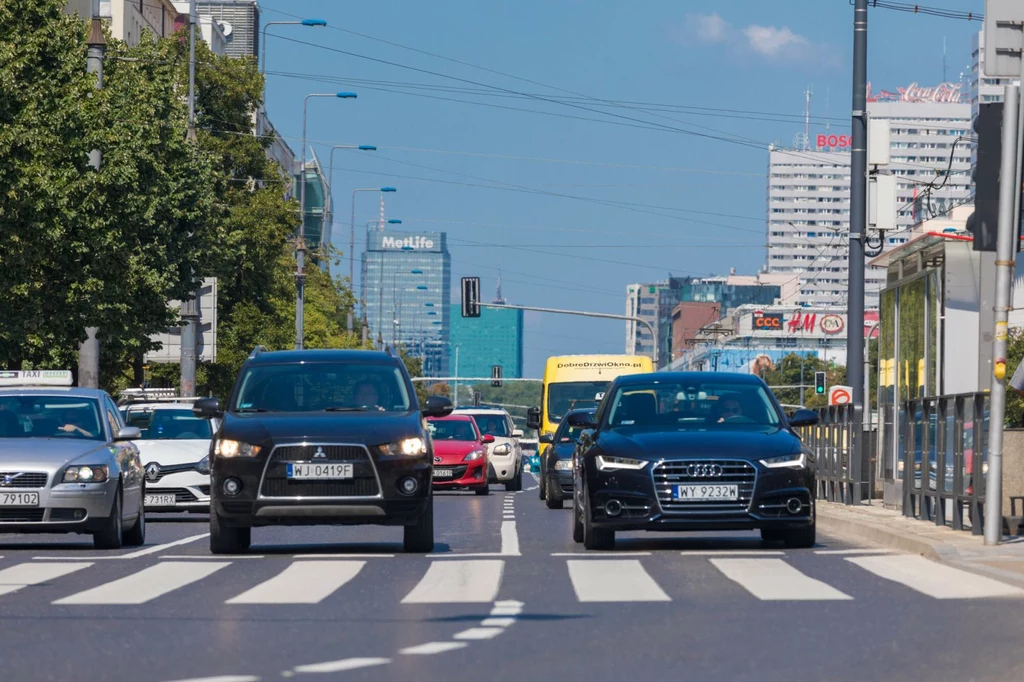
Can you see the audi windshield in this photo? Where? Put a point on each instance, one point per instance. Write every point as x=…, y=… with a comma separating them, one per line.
x=709, y=406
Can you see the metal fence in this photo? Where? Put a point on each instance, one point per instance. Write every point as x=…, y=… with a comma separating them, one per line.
x=832, y=441
x=944, y=441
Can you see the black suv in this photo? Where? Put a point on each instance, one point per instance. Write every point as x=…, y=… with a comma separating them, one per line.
x=314, y=437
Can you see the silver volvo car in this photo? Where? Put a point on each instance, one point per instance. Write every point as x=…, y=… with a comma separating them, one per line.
x=67, y=461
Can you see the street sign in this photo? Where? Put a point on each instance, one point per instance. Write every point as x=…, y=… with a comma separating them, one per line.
x=496, y=376
x=471, y=297
x=840, y=395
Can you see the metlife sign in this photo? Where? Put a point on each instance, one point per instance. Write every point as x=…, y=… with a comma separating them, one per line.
x=433, y=242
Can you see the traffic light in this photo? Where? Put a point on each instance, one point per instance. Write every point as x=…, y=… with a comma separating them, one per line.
x=496, y=376
x=819, y=383
x=983, y=224
x=471, y=297
x=477, y=397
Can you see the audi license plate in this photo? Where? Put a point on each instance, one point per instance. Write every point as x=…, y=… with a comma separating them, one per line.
x=19, y=499
x=319, y=472
x=159, y=501
x=706, y=492
x=443, y=473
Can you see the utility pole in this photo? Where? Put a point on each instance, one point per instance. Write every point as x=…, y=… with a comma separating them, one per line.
x=89, y=350
x=858, y=226
x=1006, y=251
x=455, y=384
x=190, y=307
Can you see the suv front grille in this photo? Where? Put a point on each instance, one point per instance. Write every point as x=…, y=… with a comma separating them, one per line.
x=362, y=484
x=23, y=479
x=358, y=487
x=734, y=472
x=332, y=453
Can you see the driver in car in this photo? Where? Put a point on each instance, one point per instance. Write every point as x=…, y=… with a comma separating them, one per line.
x=367, y=394
x=73, y=423
x=729, y=409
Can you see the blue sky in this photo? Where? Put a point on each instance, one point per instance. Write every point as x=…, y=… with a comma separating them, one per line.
x=607, y=168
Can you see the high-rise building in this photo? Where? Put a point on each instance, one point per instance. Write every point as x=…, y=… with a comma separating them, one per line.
x=128, y=20
x=407, y=293
x=494, y=338
x=240, y=21
x=984, y=90
x=317, y=233
x=809, y=190
x=651, y=303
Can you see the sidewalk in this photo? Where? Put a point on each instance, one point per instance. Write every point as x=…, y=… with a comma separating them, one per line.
x=873, y=524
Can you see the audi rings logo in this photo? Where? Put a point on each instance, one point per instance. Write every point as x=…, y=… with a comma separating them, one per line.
x=704, y=470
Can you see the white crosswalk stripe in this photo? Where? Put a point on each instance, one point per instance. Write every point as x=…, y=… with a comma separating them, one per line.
x=304, y=582
x=35, y=573
x=613, y=580
x=934, y=579
x=147, y=584
x=775, y=580
x=458, y=582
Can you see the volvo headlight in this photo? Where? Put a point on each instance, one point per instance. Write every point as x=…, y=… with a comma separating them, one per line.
x=473, y=456
x=234, y=448
x=96, y=473
x=502, y=449
x=797, y=460
x=409, y=446
x=606, y=463
x=203, y=466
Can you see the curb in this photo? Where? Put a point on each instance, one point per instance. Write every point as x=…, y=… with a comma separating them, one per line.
x=833, y=523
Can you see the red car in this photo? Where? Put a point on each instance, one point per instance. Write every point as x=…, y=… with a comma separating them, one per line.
x=460, y=454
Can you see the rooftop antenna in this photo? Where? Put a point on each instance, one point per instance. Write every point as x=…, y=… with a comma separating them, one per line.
x=943, y=59
x=499, y=299
x=807, y=114
x=827, y=124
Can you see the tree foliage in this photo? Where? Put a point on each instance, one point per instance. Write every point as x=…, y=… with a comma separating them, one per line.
x=788, y=372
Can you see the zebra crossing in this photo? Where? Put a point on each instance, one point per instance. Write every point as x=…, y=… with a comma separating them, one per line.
x=589, y=579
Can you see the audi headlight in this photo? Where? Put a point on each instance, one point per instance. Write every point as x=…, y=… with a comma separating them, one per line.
x=234, y=448
x=502, y=449
x=606, y=463
x=797, y=460
x=96, y=473
x=203, y=466
x=409, y=447
x=473, y=456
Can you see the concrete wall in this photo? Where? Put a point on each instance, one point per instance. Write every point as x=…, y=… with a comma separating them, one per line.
x=1013, y=467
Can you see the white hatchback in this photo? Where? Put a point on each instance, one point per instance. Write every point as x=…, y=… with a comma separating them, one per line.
x=505, y=456
x=175, y=448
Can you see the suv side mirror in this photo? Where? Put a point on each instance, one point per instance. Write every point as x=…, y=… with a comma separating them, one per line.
x=533, y=418
x=487, y=438
x=803, y=417
x=207, y=408
x=582, y=420
x=547, y=438
x=129, y=433
x=518, y=433
x=437, y=406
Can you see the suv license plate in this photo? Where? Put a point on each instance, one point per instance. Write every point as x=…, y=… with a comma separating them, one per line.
x=159, y=501
x=19, y=499
x=319, y=472
x=706, y=492
x=443, y=473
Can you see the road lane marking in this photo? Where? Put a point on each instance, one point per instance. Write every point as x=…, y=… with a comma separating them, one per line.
x=584, y=555
x=509, y=539
x=340, y=556
x=855, y=551
x=458, y=582
x=211, y=557
x=147, y=584
x=22, y=575
x=933, y=579
x=342, y=665
x=131, y=555
x=222, y=678
x=498, y=622
x=613, y=580
x=303, y=582
x=733, y=552
x=775, y=580
x=479, y=633
x=431, y=648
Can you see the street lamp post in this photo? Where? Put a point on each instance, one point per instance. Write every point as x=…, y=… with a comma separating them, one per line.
x=352, y=236
x=263, y=46
x=300, y=252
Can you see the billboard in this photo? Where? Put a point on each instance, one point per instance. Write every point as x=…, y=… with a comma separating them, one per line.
x=170, y=350
x=800, y=323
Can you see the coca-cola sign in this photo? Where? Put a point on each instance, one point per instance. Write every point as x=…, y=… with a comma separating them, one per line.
x=943, y=92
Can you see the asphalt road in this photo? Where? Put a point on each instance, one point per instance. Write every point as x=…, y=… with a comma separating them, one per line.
x=507, y=596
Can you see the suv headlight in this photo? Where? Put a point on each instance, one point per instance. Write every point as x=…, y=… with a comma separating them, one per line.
x=797, y=460
x=563, y=465
x=502, y=449
x=606, y=463
x=96, y=473
x=473, y=456
x=409, y=446
x=203, y=466
x=235, y=448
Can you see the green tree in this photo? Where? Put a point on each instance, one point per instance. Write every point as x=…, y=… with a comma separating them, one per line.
x=787, y=372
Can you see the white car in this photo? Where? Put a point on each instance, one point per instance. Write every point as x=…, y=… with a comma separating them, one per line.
x=175, y=448
x=505, y=455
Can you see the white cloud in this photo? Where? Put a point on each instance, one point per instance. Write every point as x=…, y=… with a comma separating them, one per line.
x=772, y=42
x=710, y=28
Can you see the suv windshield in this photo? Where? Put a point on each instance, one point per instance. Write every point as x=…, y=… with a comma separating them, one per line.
x=571, y=395
x=692, y=405
x=455, y=429
x=493, y=425
x=169, y=424
x=44, y=416
x=323, y=386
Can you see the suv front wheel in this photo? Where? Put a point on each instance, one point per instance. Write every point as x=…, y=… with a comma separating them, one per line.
x=419, y=537
x=226, y=539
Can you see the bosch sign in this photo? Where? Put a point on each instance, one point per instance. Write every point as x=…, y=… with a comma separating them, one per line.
x=835, y=141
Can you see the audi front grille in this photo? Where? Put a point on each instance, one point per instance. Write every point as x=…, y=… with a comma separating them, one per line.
x=364, y=483
x=704, y=472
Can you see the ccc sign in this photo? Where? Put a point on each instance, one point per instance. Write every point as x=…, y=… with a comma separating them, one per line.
x=768, y=322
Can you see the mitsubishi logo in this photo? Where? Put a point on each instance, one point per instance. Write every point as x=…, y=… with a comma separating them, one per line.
x=319, y=454
x=704, y=470
x=9, y=479
x=152, y=472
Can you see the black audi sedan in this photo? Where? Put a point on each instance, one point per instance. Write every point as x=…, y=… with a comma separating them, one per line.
x=688, y=451
x=556, y=460
x=312, y=437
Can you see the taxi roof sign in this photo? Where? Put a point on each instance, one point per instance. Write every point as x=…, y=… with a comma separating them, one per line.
x=36, y=377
